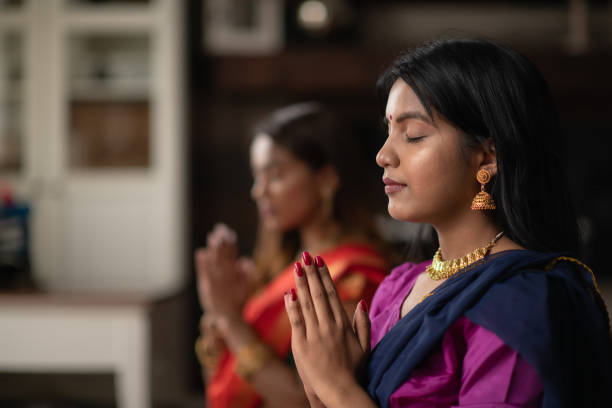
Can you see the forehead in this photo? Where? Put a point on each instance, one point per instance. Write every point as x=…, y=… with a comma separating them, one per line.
x=264, y=152
x=262, y=147
x=402, y=99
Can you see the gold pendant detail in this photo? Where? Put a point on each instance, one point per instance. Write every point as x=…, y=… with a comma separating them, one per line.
x=483, y=200
x=441, y=269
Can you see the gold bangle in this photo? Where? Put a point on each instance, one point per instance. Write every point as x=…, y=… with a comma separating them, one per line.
x=251, y=358
x=208, y=350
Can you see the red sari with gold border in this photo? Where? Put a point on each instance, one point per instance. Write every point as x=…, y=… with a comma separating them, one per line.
x=357, y=270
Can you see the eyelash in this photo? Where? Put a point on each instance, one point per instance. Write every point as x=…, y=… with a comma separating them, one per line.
x=414, y=139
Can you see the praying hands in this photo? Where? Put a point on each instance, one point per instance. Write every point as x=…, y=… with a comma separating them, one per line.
x=327, y=348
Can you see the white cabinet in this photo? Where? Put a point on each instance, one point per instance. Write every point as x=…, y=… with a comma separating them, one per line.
x=91, y=134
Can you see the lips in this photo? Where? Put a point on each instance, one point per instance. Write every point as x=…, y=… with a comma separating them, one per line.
x=265, y=210
x=392, y=186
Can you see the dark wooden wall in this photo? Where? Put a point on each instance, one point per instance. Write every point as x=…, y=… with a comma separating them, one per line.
x=227, y=95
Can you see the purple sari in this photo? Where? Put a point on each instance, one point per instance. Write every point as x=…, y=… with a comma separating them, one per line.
x=471, y=366
x=496, y=324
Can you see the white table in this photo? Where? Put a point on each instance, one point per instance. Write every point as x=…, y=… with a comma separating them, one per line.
x=66, y=333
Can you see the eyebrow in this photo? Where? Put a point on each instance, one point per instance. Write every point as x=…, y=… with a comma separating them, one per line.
x=409, y=115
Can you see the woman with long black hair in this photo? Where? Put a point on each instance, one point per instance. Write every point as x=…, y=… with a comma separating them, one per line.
x=504, y=315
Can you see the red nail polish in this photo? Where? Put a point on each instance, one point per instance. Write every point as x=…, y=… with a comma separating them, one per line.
x=298, y=270
x=293, y=295
x=363, y=306
x=318, y=261
x=306, y=258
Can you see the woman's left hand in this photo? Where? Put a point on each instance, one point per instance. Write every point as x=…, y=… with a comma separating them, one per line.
x=327, y=349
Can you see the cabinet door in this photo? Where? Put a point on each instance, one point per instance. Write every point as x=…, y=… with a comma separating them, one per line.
x=16, y=166
x=14, y=102
x=12, y=129
x=113, y=184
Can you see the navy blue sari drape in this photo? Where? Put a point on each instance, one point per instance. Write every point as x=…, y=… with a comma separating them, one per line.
x=555, y=319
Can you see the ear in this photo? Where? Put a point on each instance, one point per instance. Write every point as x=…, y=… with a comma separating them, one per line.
x=328, y=181
x=488, y=157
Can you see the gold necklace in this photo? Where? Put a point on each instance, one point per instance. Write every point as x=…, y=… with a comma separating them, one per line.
x=441, y=269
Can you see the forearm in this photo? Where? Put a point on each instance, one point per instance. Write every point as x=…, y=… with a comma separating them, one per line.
x=346, y=392
x=279, y=385
x=275, y=381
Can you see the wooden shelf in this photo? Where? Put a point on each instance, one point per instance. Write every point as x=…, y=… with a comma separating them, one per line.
x=300, y=71
x=355, y=71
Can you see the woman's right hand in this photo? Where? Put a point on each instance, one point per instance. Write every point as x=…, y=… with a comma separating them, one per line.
x=223, y=281
x=327, y=349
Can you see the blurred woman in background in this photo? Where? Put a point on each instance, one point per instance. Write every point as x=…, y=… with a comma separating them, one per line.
x=298, y=151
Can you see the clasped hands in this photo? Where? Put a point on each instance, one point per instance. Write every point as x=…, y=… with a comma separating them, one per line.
x=224, y=281
x=327, y=348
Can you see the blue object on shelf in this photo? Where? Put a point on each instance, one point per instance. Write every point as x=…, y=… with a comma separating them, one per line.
x=14, y=243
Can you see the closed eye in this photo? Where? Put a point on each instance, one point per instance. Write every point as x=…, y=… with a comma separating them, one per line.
x=414, y=139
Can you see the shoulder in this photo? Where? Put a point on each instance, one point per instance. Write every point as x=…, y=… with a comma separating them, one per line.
x=362, y=259
x=403, y=274
x=406, y=271
x=547, y=312
x=528, y=303
x=529, y=276
x=559, y=277
x=360, y=253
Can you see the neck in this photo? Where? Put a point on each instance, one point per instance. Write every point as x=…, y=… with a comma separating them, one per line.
x=318, y=236
x=464, y=234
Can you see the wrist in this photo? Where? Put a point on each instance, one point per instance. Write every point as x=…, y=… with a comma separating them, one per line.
x=229, y=322
x=236, y=332
x=344, y=391
x=251, y=358
x=208, y=350
x=208, y=322
x=334, y=392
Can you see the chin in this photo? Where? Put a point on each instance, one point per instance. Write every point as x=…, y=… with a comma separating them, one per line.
x=401, y=213
x=270, y=223
x=277, y=225
x=396, y=213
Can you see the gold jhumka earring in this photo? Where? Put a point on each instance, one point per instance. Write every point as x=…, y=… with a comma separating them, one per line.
x=483, y=200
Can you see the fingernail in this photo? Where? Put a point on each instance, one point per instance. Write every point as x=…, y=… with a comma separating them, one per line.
x=318, y=261
x=363, y=305
x=293, y=295
x=306, y=258
x=298, y=270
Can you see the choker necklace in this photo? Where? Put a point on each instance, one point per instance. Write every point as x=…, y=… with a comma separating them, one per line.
x=440, y=269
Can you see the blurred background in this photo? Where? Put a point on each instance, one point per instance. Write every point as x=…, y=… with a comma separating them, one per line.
x=124, y=135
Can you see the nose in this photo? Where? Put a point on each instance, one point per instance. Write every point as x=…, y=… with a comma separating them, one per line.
x=257, y=189
x=386, y=156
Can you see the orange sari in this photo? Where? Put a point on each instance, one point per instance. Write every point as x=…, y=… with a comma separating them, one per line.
x=357, y=270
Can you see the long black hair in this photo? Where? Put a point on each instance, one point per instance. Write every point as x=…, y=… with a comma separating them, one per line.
x=487, y=91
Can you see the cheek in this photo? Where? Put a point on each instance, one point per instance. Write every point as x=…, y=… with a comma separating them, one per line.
x=295, y=200
x=421, y=175
x=436, y=184
x=422, y=170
